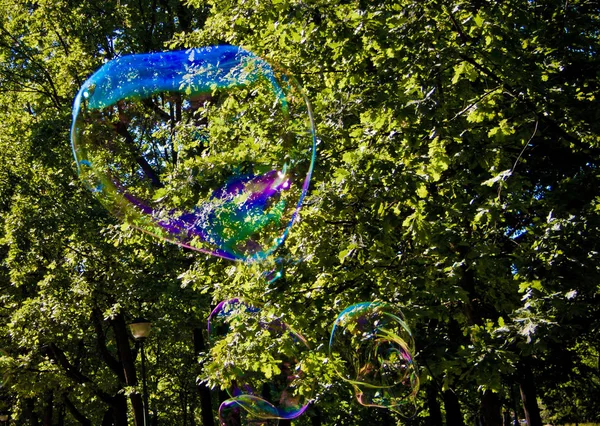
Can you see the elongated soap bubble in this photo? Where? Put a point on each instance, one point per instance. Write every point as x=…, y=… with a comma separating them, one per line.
x=262, y=391
x=248, y=409
x=211, y=149
x=377, y=347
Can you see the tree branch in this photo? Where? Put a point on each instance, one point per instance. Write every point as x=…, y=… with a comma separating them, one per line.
x=57, y=354
x=108, y=358
x=121, y=129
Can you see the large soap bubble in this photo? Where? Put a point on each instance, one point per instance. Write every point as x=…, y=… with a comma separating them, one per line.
x=212, y=149
x=263, y=395
x=374, y=341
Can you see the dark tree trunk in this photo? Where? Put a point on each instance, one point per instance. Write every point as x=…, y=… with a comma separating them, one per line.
x=30, y=413
x=203, y=390
x=60, y=421
x=61, y=417
x=184, y=406
x=192, y=417
x=48, y=409
x=453, y=415
x=506, y=418
x=119, y=411
x=127, y=362
x=529, y=393
x=491, y=409
x=154, y=419
x=435, y=411
x=515, y=404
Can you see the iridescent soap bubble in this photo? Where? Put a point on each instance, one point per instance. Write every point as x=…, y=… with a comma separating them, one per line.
x=248, y=409
x=262, y=397
x=377, y=347
x=212, y=149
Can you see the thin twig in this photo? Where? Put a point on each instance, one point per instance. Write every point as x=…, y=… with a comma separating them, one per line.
x=523, y=150
x=520, y=155
x=468, y=107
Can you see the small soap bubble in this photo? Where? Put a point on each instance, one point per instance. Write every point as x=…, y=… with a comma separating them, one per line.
x=377, y=347
x=262, y=394
x=211, y=149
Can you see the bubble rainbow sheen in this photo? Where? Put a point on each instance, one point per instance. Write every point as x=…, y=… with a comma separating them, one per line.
x=256, y=411
x=212, y=148
x=277, y=398
x=377, y=348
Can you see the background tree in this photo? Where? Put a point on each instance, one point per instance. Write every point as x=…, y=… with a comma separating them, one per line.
x=457, y=177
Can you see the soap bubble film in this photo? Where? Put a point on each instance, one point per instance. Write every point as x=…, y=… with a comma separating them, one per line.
x=212, y=149
x=248, y=410
x=261, y=394
x=377, y=347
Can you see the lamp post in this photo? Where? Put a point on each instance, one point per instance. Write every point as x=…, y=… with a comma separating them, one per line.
x=140, y=328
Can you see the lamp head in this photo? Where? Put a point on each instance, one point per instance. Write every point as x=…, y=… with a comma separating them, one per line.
x=140, y=328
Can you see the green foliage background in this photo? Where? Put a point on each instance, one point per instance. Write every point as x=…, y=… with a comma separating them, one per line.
x=457, y=177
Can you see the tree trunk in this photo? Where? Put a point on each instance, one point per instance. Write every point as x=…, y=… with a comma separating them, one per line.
x=506, y=418
x=435, y=411
x=30, y=413
x=48, y=409
x=119, y=411
x=491, y=409
x=154, y=418
x=192, y=412
x=515, y=404
x=184, y=406
x=203, y=390
x=529, y=393
x=452, y=405
x=61, y=416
